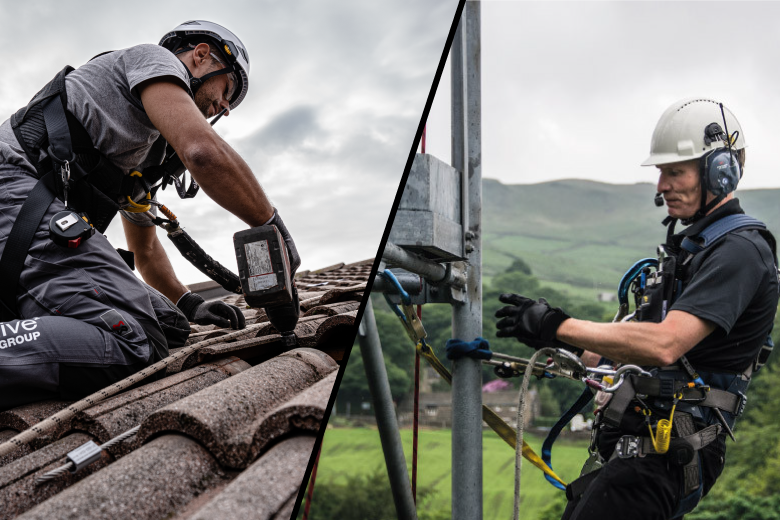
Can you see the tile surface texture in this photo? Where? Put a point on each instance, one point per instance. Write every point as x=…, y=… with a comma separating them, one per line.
x=227, y=433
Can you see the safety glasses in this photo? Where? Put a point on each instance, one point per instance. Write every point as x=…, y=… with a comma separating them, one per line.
x=232, y=81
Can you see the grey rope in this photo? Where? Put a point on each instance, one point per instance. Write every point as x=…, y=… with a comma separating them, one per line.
x=521, y=423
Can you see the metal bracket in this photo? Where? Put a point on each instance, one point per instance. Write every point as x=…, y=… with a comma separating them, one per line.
x=420, y=290
x=84, y=455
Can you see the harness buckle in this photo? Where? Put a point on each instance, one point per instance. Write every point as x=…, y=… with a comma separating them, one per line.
x=627, y=447
x=693, y=399
x=742, y=402
x=65, y=173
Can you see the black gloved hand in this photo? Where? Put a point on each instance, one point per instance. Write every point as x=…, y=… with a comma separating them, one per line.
x=216, y=312
x=532, y=322
x=295, y=258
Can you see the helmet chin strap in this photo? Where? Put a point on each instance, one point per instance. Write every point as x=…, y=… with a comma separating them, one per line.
x=704, y=208
x=196, y=83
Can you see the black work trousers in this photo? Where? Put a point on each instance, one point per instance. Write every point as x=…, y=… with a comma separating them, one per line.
x=646, y=488
x=86, y=321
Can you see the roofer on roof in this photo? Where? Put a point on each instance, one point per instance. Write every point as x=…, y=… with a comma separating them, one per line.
x=704, y=315
x=75, y=319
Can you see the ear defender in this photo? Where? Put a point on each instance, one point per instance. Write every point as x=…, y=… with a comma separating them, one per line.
x=720, y=171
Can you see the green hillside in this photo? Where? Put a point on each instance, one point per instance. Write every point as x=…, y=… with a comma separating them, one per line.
x=583, y=233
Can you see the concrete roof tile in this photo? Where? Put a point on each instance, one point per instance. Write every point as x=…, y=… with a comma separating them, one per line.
x=303, y=412
x=153, y=482
x=352, y=292
x=118, y=414
x=26, y=416
x=266, y=487
x=226, y=422
x=285, y=513
x=267, y=346
x=18, y=490
x=332, y=309
x=221, y=417
x=336, y=334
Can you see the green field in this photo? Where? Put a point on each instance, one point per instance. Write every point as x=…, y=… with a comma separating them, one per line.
x=358, y=451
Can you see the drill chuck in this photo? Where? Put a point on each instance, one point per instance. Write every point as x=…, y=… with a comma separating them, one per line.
x=285, y=317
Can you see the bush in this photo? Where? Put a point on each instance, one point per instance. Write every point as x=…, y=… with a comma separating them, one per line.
x=365, y=498
x=738, y=506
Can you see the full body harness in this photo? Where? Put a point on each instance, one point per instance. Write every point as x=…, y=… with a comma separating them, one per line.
x=70, y=168
x=690, y=398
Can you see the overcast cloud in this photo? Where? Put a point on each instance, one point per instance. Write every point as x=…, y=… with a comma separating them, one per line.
x=336, y=93
x=574, y=89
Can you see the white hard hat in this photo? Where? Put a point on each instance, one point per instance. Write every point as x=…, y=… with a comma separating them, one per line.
x=230, y=46
x=684, y=131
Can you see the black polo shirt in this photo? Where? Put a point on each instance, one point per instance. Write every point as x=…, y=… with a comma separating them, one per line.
x=733, y=284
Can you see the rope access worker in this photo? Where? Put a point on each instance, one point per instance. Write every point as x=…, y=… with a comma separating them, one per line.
x=700, y=329
x=75, y=318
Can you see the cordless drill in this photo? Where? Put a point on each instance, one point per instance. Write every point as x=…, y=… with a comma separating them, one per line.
x=266, y=281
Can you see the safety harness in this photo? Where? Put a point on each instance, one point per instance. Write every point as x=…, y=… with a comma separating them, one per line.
x=689, y=397
x=70, y=168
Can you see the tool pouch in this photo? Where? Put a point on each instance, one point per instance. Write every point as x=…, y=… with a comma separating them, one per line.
x=654, y=301
x=680, y=453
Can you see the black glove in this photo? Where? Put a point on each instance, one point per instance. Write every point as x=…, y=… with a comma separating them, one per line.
x=214, y=312
x=532, y=322
x=295, y=258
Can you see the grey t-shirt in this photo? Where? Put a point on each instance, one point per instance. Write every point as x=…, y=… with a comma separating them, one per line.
x=102, y=95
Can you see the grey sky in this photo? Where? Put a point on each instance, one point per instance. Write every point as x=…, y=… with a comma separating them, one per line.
x=574, y=89
x=336, y=93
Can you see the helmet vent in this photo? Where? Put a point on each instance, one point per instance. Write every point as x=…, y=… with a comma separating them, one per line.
x=692, y=101
x=193, y=22
x=243, y=53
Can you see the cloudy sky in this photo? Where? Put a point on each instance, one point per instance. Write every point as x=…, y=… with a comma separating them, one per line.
x=574, y=89
x=336, y=93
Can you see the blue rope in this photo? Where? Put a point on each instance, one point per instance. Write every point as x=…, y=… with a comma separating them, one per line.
x=390, y=277
x=405, y=298
x=477, y=349
x=576, y=408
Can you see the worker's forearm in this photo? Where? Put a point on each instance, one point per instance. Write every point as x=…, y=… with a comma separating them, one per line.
x=228, y=180
x=157, y=271
x=590, y=359
x=638, y=343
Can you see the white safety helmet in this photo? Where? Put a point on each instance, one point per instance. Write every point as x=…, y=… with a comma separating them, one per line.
x=684, y=133
x=229, y=45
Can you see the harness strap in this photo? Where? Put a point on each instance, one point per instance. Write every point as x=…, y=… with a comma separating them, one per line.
x=613, y=414
x=18, y=243
x=655, y=387
x=712, y=398
x=577, y=488
x=696, y=440
x=719, y=228
x=686, y=429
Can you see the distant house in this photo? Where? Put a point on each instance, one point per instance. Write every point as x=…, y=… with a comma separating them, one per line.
x=436, y=408
x=607, y=297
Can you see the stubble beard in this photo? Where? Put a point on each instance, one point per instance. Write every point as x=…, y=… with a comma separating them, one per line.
x=203, y=102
